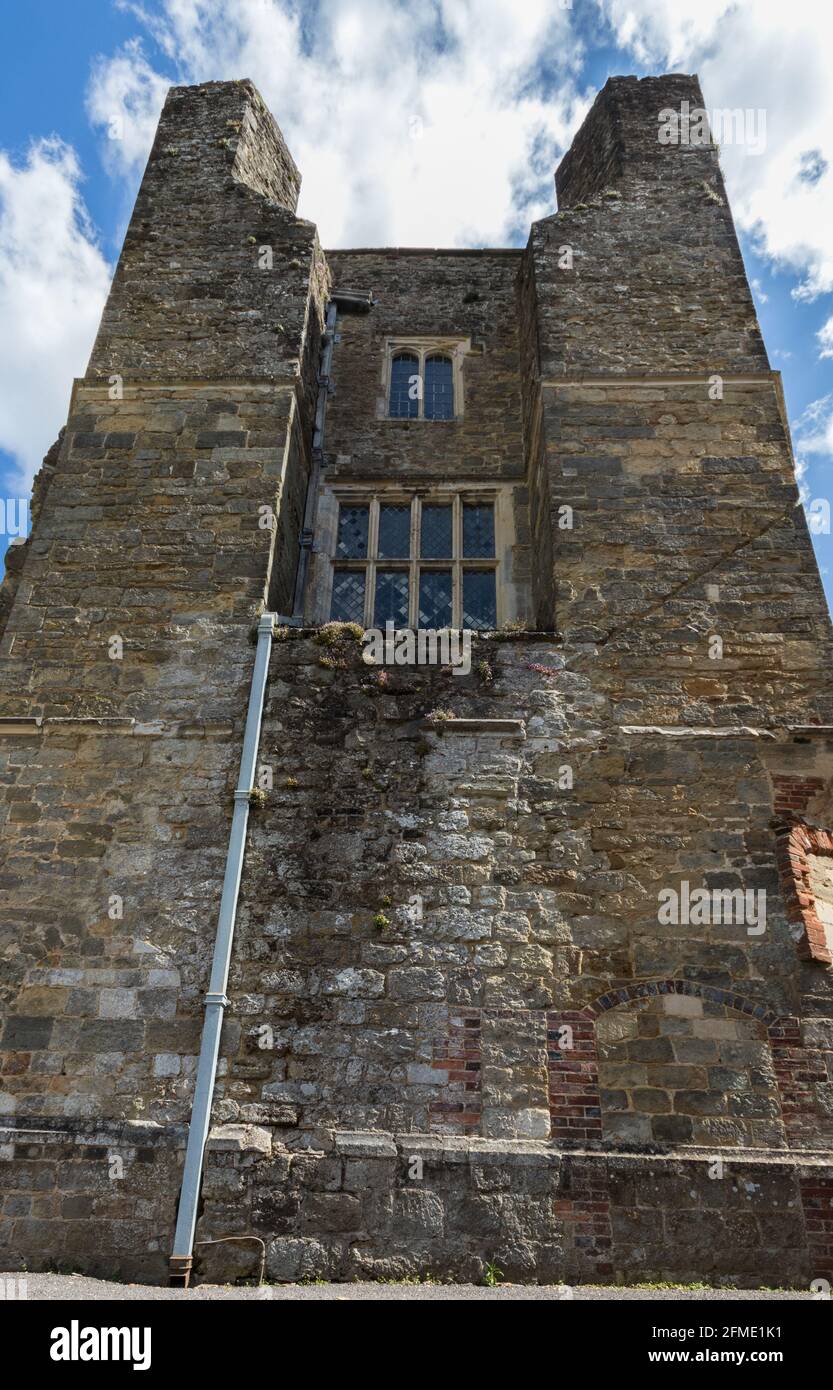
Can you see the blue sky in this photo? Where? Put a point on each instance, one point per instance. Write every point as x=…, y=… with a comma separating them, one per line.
x=438, y=124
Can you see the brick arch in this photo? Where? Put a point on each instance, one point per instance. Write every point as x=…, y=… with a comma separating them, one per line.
x=730, y=999
x=795, y=844
x=574, y=1095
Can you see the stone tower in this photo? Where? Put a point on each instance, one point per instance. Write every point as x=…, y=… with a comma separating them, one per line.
x=521, y=958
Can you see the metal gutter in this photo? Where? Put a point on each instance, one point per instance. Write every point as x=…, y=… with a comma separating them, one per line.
x=215, y=1000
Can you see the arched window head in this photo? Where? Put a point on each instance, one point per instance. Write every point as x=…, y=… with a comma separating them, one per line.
x=439, y=388
x=404, y=386
x=423, y=378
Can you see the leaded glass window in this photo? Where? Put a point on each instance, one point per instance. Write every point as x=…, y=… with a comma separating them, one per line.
x=391, y=598
x=478, y=532
x=439, y=388
x=479, y=607
x=348, y=597
x=404, y=386
x=435, y=598
x=425, y=378
x=352, y=532
x=416, y=562
x=436, y=533
x=395, y=532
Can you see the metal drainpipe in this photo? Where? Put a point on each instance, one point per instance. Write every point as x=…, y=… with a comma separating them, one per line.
x=215, y=1000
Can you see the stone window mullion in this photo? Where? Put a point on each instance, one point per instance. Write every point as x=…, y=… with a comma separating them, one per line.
x=421, y=399
x=413, y=567
x=456, y=567
x=372, y=554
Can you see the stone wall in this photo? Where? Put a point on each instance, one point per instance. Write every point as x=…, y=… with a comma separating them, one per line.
x=525, y=819
x=126, y=653
x=657, y=282
x=460, y=1028
x=456, y=294
x=679, y=1068
x=374, y=1206
x=91, y=1196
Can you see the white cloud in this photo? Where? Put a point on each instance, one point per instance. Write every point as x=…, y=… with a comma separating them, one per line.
x=663, y=30
x=493, y=88
x=53, y=283
x=124, y=98
x=813, y=441
x=813, y=429
x=825, y=339
x=767, y=56
x=412, y=125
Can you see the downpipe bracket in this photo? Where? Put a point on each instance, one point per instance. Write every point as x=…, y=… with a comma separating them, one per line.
x=216, y=999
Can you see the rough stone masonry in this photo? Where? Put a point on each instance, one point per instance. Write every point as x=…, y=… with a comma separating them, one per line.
x=460, y=1030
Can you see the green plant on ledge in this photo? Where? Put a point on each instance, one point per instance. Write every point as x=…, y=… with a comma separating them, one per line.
x=330, y=634
x=440, y=716
x=336, y=637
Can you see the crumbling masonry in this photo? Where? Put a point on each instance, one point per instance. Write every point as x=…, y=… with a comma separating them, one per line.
x=459, y=1029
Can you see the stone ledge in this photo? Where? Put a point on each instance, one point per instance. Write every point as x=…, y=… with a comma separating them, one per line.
x=27, y=725
x=706, y=731
x=239, y=1139
x=369, y=1144
x=95, y=1133
x=504, y=728
x=15, y=726
x=473, y=1148
x=365, y=1144
x=763, y=378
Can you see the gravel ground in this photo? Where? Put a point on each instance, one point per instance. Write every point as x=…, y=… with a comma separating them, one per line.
x=47, y=1287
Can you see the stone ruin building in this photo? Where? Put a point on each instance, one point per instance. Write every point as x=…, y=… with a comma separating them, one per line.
x=529, y=965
